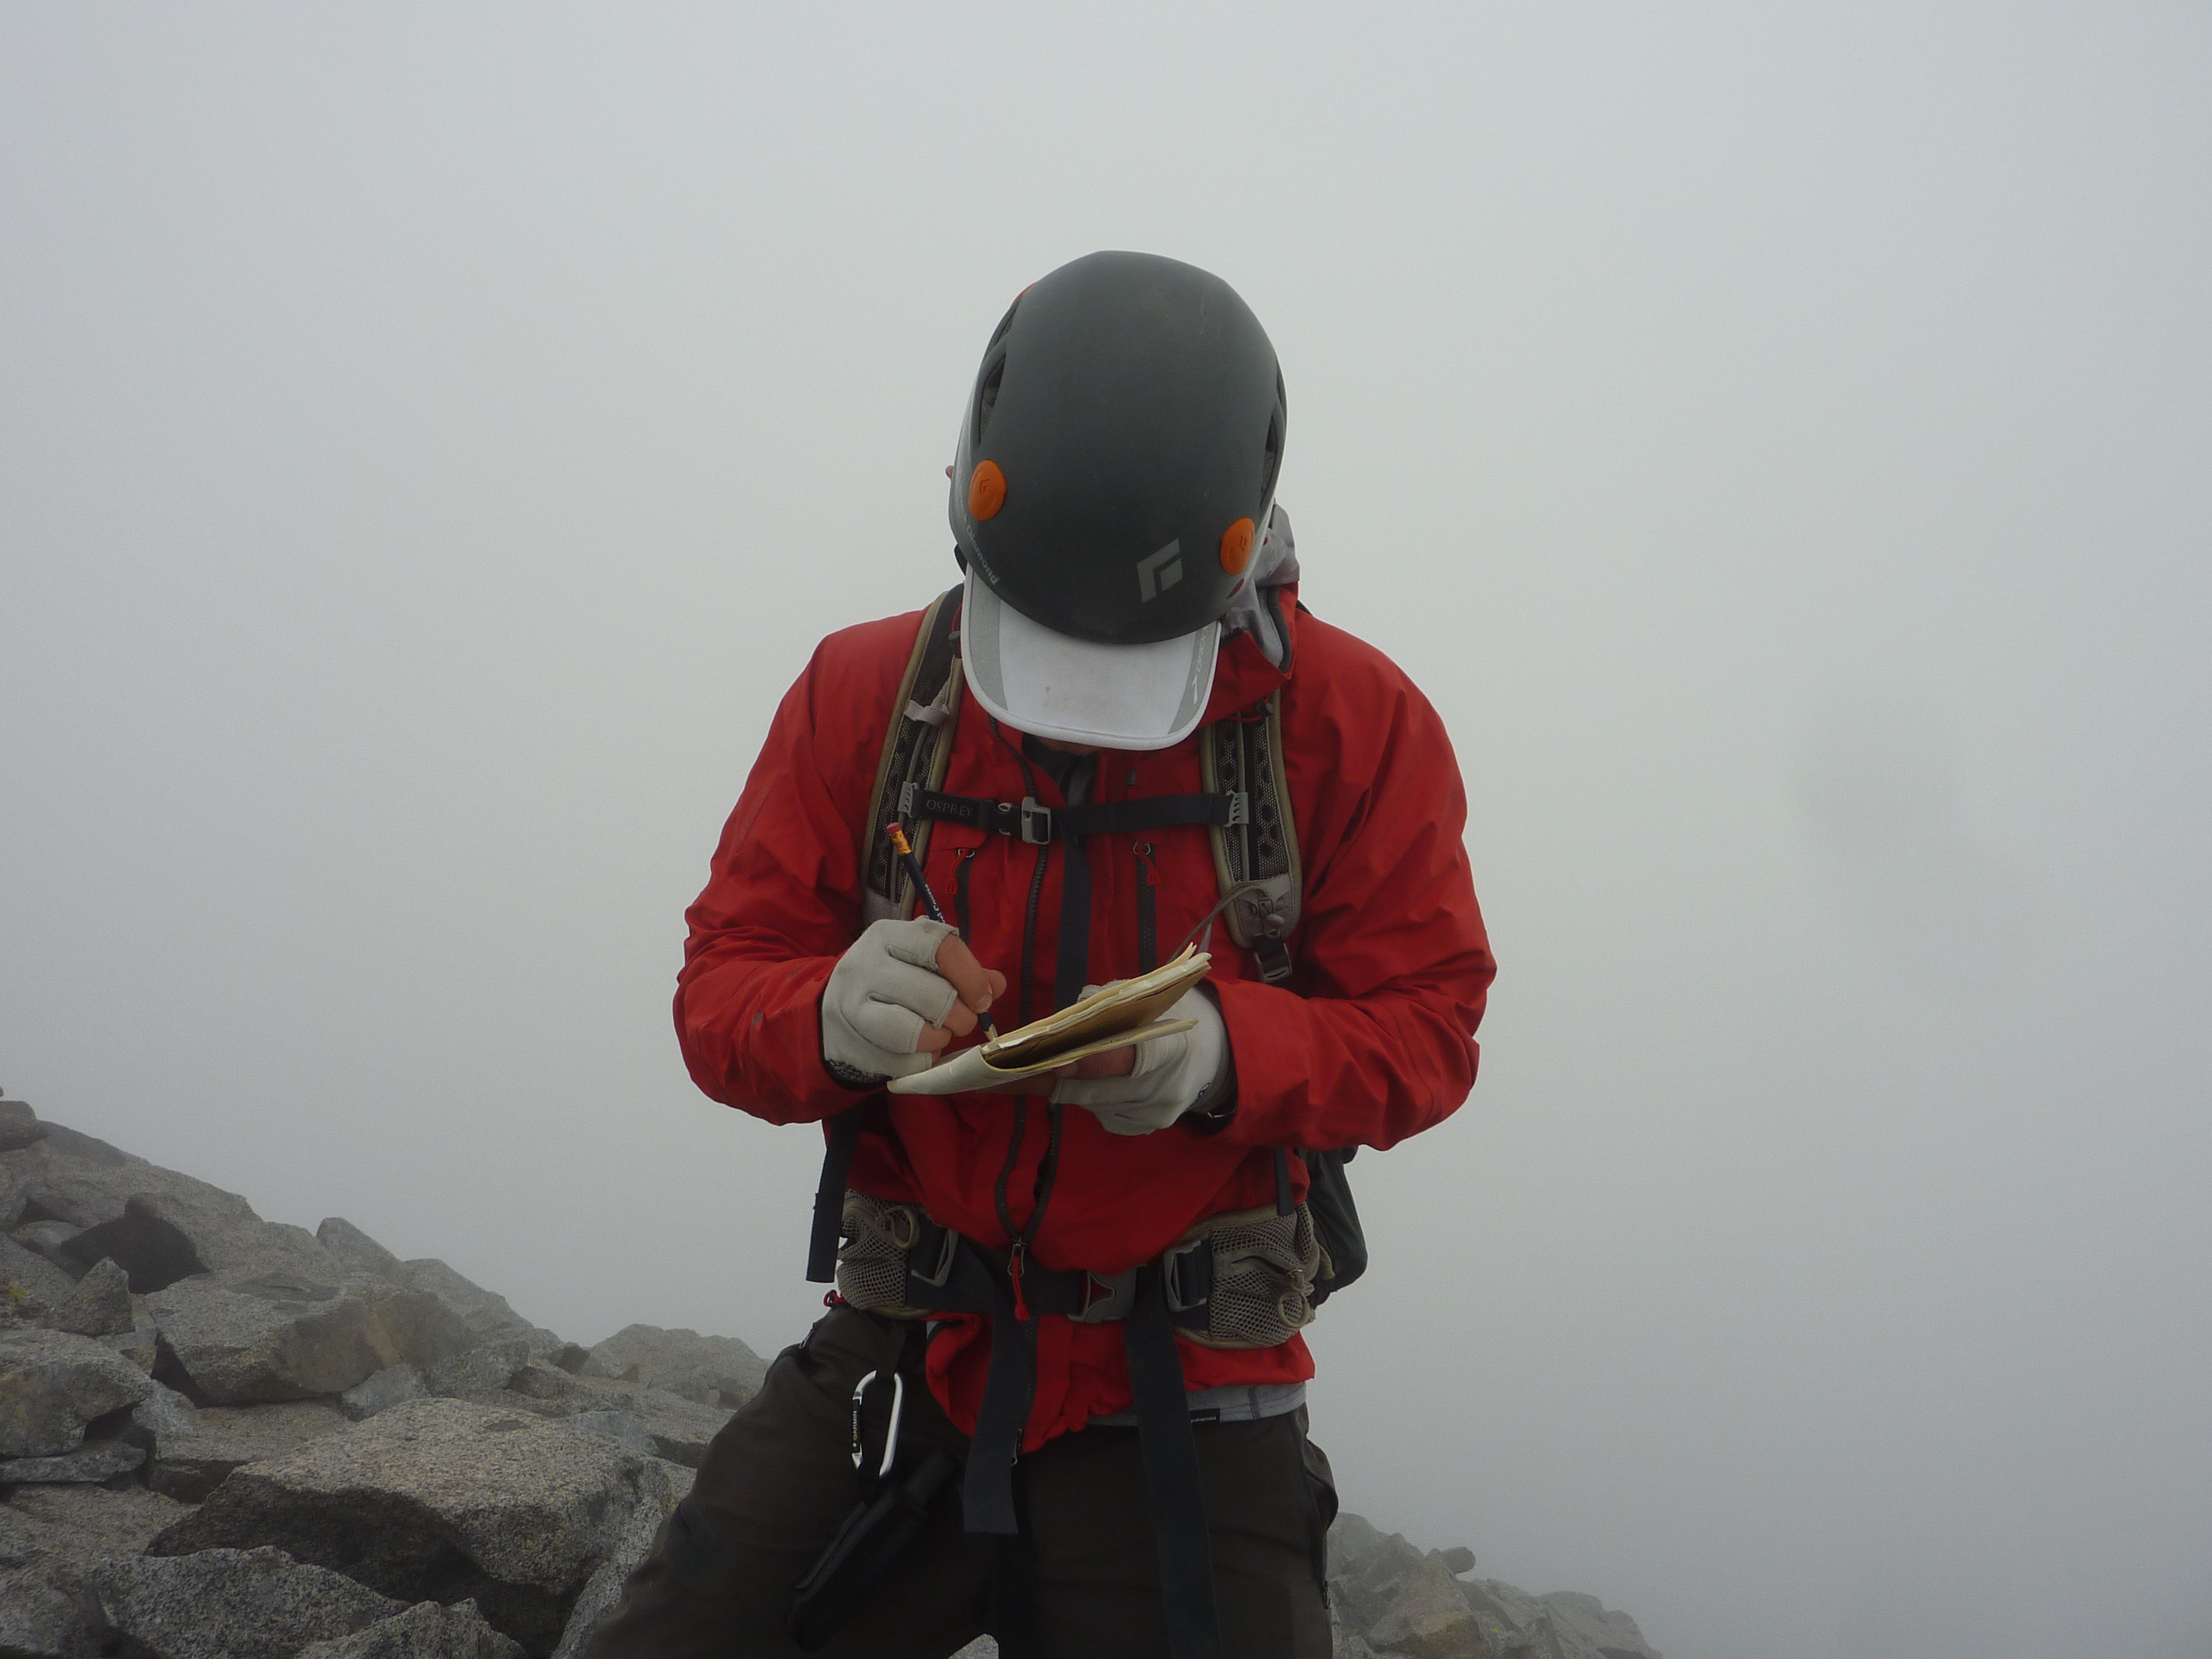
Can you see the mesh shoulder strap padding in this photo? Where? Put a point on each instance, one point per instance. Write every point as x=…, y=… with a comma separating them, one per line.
x=1257, y=860
x=917, y=748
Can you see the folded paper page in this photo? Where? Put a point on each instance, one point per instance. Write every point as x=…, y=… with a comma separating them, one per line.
x=1125, y=1011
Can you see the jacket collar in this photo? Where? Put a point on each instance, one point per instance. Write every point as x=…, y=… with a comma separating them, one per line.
x=1243, y=676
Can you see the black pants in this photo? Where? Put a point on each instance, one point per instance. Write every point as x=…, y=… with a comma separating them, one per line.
x=779, y=1478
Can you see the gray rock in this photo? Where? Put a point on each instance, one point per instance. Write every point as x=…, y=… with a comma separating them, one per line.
x=665, y=1486
x=486, y=1313
x=98, y=1304
x=1397, y=1599
x=1427, y=1618
x=23, y=1540
x=49, y=1610
x=190, y=1463
x=1563, y=1625
x=356, y=1251
x=1611, y=1635
x=1457, y=1559
x=31, y=1283
x=15, y=1199
x=141, y=1344
x=247, y=1335
x=481, y=1370
x=1351, y=1539
x=52, y=1383
x=681, y=1429
x=82, y=1523
x=425, y=1630
x=162, y=1412
x=92, y=1462
x=556, y=1392
x=570, y=1357
x=19, y=1125
x=232, y=1604
x=161, y=1237
x=50, y=1239
x=624, y=1428
x=386, y=1389
x=1505, y=1630
x=160, y=1227
x=711, y=1370
x=436, y=1500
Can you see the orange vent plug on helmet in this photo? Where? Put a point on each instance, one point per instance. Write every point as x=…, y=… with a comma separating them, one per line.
x=987, y=492
x=1236, y=546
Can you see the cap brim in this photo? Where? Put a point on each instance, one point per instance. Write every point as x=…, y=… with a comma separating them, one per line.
x=1106, y=696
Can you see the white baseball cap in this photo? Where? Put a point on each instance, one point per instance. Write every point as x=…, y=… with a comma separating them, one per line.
x=1104, y=696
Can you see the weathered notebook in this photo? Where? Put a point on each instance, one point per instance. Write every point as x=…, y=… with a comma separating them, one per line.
x=1127, y=1011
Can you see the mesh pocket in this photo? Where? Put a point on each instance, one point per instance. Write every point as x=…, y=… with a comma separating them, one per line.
x=872, y=1261
x=1264, y=1266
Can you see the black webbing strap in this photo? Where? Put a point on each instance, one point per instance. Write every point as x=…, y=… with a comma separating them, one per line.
x=1173, y=1490
x=1030, y=822
x=829, y=1192
x=948, y=1272
x=986, y=1491
x=1072, y=969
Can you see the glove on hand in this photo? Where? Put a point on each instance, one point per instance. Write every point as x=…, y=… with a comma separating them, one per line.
x=1173, y=1074
x=880, y=995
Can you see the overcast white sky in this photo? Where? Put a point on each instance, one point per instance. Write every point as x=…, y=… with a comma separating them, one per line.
x=1776, y=438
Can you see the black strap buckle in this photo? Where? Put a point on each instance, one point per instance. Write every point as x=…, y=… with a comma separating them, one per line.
x=1186, y=1275
x=1106, y=1296
x=1036, y=822
x=943, y=1246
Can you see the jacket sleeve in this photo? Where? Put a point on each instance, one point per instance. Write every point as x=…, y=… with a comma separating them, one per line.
x=783, y=901
x=1378, y=1042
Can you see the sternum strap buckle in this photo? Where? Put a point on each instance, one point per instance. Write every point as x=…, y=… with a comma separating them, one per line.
x=1106, y=1298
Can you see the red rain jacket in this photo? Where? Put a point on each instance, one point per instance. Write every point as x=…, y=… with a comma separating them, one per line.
x=1370, y=1041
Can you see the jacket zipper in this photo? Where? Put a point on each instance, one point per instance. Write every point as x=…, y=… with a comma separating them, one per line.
x=964, y=863
x=1028, y=928
x=1148, y=920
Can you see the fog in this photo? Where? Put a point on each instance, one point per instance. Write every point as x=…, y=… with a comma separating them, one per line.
x=1776, y=438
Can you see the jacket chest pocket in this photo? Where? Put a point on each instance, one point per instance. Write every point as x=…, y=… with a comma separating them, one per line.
x=954, y=852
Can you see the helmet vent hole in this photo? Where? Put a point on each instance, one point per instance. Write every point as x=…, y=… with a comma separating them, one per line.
x=1271, y=459
x=987, y=397
x=1006, y=323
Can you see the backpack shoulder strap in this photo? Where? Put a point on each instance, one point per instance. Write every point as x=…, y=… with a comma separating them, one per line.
x=1256, y=860
x=917, y=748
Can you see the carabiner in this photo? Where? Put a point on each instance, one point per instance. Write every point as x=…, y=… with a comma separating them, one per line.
x=890, y=1437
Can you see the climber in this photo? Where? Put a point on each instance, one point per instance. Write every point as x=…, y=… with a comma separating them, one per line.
x=1059, y=1392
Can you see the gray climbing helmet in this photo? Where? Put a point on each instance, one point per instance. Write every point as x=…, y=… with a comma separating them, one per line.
x=1117, y=458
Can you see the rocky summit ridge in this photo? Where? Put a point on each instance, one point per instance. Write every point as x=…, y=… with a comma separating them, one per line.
x=223, y=1437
